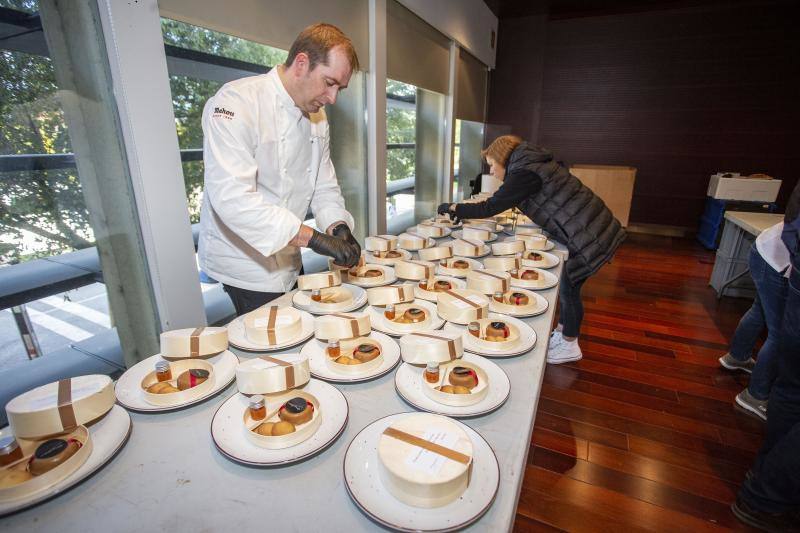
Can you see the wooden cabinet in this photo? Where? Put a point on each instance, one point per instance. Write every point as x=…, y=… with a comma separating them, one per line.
x=611, y=183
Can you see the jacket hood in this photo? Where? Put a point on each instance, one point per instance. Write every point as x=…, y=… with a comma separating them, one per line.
x=525, y=154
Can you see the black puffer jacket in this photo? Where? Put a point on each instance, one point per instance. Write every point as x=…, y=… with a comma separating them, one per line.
x=558, y=202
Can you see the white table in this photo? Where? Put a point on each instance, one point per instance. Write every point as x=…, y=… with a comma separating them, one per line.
x=170, y=476
x=729, y=277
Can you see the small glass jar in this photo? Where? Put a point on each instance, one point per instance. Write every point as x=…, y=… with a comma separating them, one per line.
x=316, y=295
x=389, y=312
x=258, y=409
x=10, y=452
x=443, y=263
x=514, y=273
x=474, y=329
x=432, y=372
x=498, y=296
x=163, y=371
x=333, y=349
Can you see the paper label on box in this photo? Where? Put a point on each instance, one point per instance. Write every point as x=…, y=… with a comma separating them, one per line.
x=427, y=461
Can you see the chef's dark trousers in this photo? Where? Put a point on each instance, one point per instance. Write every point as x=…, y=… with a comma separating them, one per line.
x=245, y=300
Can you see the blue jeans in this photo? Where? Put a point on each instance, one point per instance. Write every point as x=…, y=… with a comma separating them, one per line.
x=767, y=309
x=775, y=484
x=571, y=307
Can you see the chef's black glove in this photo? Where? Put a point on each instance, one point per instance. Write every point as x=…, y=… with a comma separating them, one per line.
x=342, y=231
x=444, y=209
x=343, y=253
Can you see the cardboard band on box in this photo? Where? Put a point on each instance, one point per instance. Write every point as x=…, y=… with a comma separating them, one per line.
x=503, y=264
x=320, y=280
x=476, y=394
x=60, y=406
x=380, y=243
x=488, y=282
x=416, y=270
x=436, y=253
x=462, y=305
x=404, y=441
x=193, y=342
x=467, y=248
x=270, y=374
x=346, y=348
x=339, y=326
x=469, y=232
x=44, y=481
x=423, y=347
x=508, y=247
x=302, y=432
x=391, y=295
x=273, y=325
x=181, y=397
x=429, y=230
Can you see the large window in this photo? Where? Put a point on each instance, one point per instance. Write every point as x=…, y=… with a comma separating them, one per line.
x=401, y=123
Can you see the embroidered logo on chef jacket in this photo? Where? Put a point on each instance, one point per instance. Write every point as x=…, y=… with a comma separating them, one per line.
x=221, y=112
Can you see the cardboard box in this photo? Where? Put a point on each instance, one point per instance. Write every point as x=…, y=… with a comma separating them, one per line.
x=743, y=188
x=614, y=184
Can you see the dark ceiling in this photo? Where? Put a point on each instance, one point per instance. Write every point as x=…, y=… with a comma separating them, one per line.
x=557, y=9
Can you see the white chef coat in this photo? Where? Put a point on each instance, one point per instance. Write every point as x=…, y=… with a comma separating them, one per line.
x=265, y=163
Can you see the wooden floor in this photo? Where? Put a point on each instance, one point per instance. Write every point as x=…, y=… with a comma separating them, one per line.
x=641, y=434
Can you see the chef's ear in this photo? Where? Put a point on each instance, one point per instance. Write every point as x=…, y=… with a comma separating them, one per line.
x=301, y=64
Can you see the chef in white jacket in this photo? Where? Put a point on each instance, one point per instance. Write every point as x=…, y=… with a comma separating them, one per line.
x=267, y=160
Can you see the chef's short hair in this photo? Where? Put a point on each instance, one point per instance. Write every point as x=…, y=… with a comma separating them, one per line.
x=501, y=148
x=317, y=40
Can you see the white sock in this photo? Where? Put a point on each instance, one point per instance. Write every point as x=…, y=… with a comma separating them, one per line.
x=559, y=327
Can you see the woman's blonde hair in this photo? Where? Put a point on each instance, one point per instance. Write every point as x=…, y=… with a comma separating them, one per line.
x=501, y=148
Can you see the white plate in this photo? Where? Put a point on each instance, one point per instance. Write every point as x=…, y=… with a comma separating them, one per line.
x=473, y=263
x=408, y=383
x=492, y=236
x=379, y=322
x=550, y=280
x=109, y=435
x=303, y=301
x=389, y=262
x=238, y=338
x=129, y=386
x=432, y=296
x=369, y=494
x=548, y=260
x=527, y=338
x=228, y=432
x=317, y=360
x=389, y=277
x=541, y=305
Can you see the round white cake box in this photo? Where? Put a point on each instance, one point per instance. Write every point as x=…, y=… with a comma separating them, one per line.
x=237, y=335
x=363, y=482
x=423, y=347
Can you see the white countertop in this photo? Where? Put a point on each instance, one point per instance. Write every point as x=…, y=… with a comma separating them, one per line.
x=170, y=476
x=753, y=223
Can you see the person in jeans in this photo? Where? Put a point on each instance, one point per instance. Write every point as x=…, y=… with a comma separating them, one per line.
x=769, y=264
x=769, y=498
x=567, y=210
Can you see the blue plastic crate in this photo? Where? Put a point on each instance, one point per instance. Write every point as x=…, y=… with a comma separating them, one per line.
x=714, y=215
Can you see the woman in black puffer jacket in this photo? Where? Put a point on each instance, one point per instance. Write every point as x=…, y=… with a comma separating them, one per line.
x=566, y=209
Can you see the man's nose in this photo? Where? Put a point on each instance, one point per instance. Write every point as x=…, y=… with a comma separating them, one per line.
x=331, y=94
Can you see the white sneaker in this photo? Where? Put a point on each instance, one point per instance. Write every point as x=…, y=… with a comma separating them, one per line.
x=564, y=352
x=556, y=338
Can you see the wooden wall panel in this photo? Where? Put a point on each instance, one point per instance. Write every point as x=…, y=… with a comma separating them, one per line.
x=679, y=94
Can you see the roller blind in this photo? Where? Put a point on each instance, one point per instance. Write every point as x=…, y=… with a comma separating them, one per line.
x=275, y=22
x=471, y=96
x=416, y=52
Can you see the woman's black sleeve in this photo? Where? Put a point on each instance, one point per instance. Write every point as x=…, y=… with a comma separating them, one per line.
x=516, y=187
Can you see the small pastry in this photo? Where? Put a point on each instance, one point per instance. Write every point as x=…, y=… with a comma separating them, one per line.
x=497, y=329
x=533, y=256
x=442, y=285
x=517, y=298
x=265, y=429
x=372, y=273
x=282, y=428
x=529, y=274
x=297, y=411
x=162, y=387
x=192, y=378
x=464, y=377
x=446, y=388
x=458, y=389
x=344, y=360
x=459, y=263
x=393, y=254
x=366, y=352
x=52, y=453
x=13, y=476
x=412, y=315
